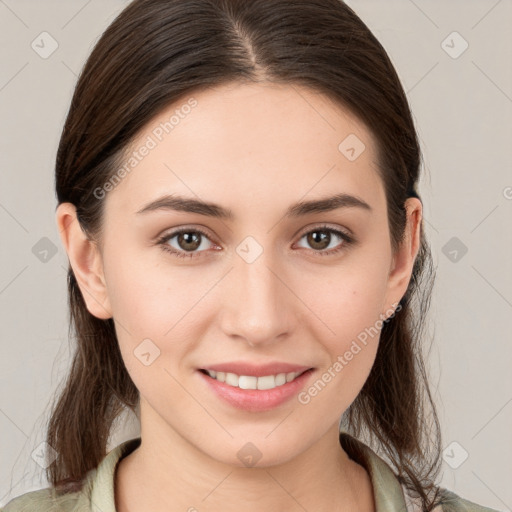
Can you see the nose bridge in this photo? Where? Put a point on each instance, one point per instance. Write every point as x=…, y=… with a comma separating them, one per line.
x=257, y=302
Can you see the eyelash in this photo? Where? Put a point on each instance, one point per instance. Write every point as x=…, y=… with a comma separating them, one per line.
x=162, y=241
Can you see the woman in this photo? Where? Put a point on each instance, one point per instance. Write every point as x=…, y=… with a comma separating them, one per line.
x=236, y=185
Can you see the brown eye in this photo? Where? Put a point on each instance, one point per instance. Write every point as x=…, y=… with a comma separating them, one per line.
x=319, y=239
x=187, y=242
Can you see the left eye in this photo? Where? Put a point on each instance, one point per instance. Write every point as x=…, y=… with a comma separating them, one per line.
x=190, y=240
x=323, y=236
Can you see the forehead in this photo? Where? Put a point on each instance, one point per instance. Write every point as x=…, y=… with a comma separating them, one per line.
x=250, y=144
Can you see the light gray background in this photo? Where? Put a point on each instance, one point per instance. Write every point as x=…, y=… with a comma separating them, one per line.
x=462, y=107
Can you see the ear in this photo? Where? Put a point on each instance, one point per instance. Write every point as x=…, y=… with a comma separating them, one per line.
x=403, y=261
x=86, y=261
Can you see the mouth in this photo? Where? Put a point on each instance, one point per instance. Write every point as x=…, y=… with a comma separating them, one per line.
x=263, y=382
x=255, y=393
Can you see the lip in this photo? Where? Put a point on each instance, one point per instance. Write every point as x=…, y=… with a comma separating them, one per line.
x=257, y=400
x=251, y=369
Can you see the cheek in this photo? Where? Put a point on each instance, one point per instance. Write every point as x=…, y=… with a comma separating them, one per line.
x=149, y=297
x=349, y=299
x=154, y=318
x=156, y=308
x=348, y=305
x=351, y=347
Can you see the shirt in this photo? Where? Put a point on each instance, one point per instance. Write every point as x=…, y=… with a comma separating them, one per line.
x=97, y=492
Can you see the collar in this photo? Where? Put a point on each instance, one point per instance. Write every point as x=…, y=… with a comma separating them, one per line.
x=387, y=491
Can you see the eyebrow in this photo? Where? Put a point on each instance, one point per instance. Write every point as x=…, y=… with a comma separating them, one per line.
x=190, y=205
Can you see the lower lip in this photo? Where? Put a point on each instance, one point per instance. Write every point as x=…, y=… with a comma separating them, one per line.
x=257, y=400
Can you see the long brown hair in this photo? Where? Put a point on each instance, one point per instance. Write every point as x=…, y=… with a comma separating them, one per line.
x=159, y=51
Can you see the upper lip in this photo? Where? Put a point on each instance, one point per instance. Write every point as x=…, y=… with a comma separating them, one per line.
x=254, y=370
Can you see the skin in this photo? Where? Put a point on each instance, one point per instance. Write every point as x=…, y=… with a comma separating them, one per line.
x=254, y=149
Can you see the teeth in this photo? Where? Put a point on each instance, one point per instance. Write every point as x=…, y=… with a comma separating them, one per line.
x=251, y=382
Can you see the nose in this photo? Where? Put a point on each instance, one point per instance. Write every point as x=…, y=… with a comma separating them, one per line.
x=257, y=305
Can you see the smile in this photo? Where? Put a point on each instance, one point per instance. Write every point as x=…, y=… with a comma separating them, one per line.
x=252, y=382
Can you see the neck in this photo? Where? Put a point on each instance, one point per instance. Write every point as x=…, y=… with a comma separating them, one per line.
x=166, y=474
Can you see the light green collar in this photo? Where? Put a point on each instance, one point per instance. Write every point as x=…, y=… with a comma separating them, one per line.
x=387, y=490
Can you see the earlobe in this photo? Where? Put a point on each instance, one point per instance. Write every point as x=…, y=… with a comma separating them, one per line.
x=86, y=261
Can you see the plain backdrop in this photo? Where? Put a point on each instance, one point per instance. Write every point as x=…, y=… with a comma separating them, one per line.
x=453, y=58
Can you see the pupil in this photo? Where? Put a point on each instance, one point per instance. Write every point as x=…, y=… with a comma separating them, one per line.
x=187, y=239
x=321, y=237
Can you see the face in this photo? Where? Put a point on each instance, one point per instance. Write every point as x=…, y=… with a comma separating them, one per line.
x=308, y=287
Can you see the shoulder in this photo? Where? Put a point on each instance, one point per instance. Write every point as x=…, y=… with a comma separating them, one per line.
x=46, y=500
x=448, y=502
x=94, y=492
x=452, y=502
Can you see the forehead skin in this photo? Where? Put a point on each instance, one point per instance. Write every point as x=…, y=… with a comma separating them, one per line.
x=254, y=148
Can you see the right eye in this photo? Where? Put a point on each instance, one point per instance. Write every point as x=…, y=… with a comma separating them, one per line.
x=189, y=239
